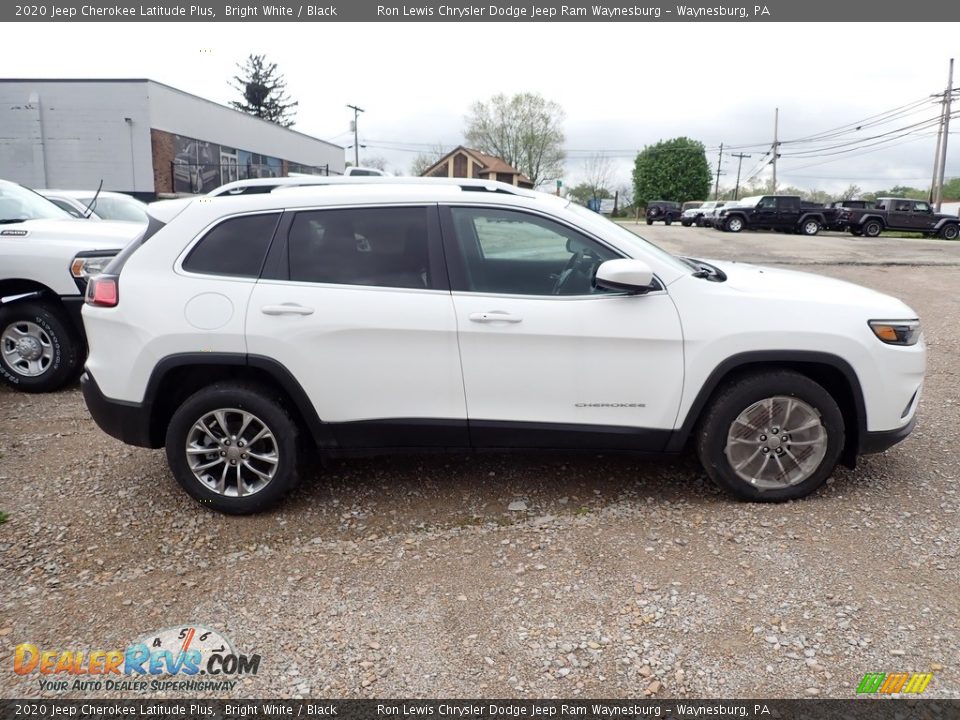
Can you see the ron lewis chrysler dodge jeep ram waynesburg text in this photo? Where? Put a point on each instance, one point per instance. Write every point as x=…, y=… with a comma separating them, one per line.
x=467, y=314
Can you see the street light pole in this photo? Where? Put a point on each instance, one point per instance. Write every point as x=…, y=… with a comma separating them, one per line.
x=356, y=144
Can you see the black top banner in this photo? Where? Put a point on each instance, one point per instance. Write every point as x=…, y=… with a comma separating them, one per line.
x=891, y=709
x=601, y=11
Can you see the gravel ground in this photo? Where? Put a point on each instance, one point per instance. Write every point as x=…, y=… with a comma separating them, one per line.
x=504, y=575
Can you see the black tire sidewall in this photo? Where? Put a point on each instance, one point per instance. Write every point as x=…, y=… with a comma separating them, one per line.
x=869, y=226
x=67, y=350
x=736, y=397
x=946, y=229
x=267, y=409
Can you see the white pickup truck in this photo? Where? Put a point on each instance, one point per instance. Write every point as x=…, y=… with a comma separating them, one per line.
x=46, y=257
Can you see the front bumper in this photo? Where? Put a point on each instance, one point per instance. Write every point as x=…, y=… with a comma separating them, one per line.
x=126, y=421
x=877, y=442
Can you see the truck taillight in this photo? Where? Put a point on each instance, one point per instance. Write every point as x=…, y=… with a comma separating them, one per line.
x=103, y=291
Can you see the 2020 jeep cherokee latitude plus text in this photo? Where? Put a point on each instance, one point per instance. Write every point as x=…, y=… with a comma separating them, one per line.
x=477, y=315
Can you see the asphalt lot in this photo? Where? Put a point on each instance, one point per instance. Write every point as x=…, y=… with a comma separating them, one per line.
x=411, y=576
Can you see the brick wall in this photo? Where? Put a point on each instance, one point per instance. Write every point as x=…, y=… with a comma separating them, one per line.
x=162, y=145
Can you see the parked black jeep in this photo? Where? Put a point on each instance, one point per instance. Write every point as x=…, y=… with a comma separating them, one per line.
x=664, y=211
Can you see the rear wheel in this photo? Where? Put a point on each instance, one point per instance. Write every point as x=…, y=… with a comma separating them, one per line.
x=649, y=221
x=667, y=221
x=857, y=233
x=810, y=227
x=771, y=436
x=39, y=351
x=950, y=231
x=872, y=228
x=234, y=448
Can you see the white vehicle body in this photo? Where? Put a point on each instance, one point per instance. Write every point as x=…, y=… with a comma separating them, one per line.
x=691, y=215
x=480, y=367
x=46, y=257
x=103, y=205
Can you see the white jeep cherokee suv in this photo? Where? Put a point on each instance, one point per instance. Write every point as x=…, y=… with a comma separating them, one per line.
x=469, y=314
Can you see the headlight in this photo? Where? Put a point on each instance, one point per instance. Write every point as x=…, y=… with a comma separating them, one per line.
x=83, y=267
x=86, y=265
x=896, y=332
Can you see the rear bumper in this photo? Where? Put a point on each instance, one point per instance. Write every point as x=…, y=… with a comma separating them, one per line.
x=876, y=442
x=126, y=421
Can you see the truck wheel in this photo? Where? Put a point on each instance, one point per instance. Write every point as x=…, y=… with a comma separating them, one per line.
x=649, y=221
x=233, y=448
x=39, y=352
x=856, y=233
x=950, y=231
x=872, y=228
x=699, y=221
x=771, y=436
x=733, y=224
x=810, y=227
x=667, y=221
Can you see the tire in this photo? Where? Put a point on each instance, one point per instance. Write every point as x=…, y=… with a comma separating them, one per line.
x=857, y=233
x=950, y=231
x=733, y=224
x=794, y=397
x=649, y=221
x=667, y=221
x=277, y=451
x=686, y=223
x=39, y=350
x=872, y=228
x=810, y=228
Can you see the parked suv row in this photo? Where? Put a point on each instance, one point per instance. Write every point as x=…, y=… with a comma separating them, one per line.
x=469, y=314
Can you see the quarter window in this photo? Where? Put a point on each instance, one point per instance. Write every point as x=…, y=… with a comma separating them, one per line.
x=235, y=247
x=504, y=251
x=386, y=247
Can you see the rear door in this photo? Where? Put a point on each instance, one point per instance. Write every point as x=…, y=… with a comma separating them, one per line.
x=355, y=303
x=900, y=214
x=788, y=213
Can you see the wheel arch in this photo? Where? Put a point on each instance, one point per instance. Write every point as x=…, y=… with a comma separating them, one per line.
x=832, y=372
x=11, y=287
x=176, y=377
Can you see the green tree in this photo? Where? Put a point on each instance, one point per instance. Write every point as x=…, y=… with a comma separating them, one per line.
x=585, y=192
x=951, y=189
x=671, y=170
x=264, y=91
x=524, y=130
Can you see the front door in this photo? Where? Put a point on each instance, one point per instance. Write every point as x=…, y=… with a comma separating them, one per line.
x=548, y=359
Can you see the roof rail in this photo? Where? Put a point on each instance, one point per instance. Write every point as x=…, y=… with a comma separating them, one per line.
x=465, y=184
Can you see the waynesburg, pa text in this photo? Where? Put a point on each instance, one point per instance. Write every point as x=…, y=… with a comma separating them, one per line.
x=536, y=12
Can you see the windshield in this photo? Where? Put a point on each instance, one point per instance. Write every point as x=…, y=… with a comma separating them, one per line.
x=749, y=201
x=110, y=207
x=602, y=225
x=17, y=204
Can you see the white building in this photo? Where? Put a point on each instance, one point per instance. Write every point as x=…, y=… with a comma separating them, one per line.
x=142, y=137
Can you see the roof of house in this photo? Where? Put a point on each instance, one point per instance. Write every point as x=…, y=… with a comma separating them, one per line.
x=490, y=163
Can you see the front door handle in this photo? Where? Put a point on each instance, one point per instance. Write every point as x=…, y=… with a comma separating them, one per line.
x=286, y=309
x=495, y=316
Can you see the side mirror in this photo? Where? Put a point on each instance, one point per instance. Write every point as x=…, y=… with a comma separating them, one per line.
x=633, y=276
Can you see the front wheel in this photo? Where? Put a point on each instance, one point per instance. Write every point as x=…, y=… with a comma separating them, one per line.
x=873, y=228
x=810, y=227
x=233, y=448
x=771, y=437
x=733, y=224
x=39, y=352
x=649, y=221
x=950, y=232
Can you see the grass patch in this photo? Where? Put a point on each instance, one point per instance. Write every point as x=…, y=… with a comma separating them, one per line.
x=3, y=517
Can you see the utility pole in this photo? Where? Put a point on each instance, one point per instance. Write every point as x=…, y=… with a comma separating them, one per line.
x=740, y=157
x=776, y=144
x=716, y=185
x=945, y=130
x=356, y=143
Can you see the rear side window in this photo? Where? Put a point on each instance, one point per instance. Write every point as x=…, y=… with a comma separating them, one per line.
x=386, y=247
x=235, y=247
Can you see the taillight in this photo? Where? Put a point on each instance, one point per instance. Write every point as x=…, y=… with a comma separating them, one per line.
x=103, y=291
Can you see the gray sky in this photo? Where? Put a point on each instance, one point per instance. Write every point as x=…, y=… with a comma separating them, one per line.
x=623, y=85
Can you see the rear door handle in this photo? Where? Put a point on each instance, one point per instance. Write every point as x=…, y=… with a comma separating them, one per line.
x=495, y=316
x=286, y=309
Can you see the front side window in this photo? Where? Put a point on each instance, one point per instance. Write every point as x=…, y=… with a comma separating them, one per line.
x=767, y=204
x=386, y=247
x=237, y=247
x=922, y=207
x=510, y=252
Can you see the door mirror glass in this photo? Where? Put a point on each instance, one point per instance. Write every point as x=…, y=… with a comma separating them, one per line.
x=633, y=276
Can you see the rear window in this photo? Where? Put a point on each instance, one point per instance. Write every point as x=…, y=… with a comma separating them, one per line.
x=235, y=247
